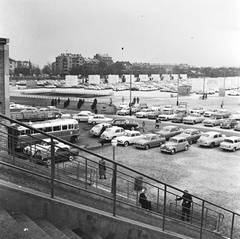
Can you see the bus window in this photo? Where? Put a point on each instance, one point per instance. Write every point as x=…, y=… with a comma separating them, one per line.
x=48, y=129
x=64, y=127
x=56, y=128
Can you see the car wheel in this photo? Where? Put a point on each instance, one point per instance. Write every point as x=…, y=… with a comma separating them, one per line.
x=173, y=151
x=93, y=123
x=212, y=145
x=48, y=162
x=71, y=158
x=234, y=149
x=147, y=147
x=186, y=147
x=126, y=143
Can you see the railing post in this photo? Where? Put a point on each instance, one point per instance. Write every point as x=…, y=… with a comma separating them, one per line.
x=52, y=168
x=85, y=173
x=206, y=218
x=157, y=199
x=201, y=228
x=114, y=189
x=232, y=226
x=164, y=207
x=13, y=148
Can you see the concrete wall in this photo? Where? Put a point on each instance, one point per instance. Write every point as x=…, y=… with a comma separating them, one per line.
x=15, y=199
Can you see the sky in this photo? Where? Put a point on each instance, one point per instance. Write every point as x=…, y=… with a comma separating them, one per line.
x=194, y=32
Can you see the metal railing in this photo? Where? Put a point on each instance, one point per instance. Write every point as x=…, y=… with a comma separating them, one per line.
x=121, y=188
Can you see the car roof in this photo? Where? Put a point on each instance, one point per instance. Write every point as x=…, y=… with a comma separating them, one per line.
x=170, y=126
x=178, y=137
x=233, y=137
x=212, y=132
x=151, y=135
x=191, y=129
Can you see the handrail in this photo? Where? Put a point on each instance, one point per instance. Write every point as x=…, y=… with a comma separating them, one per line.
x=118, y=172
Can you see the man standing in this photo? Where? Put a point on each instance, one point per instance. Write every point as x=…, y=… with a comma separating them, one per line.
x=102, y=169
x=186, y=205
x=222, y=104
x=143, y=127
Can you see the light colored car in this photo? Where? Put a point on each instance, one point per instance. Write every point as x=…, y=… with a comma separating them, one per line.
x=129, y=137
x=97, y=119
x=29, y=109
x=211, y=139
x=209, y=112
x=175, y=144
x=222, y=112
x=236, y=115
x=143, y=113
x=167, y=115
x=197, y=110
x=123, y=105
x=191, y=134
x=124, y=111
x=149, y=141
x=231, y=143
x=193, y=118
x=234, y=93
x=44, y=145
x=98, y=129
x=169, y=131
x=83, y=116
x=112, y=133
x=213, y=121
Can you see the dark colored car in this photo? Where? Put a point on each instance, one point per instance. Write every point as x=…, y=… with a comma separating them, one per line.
x=179, y=117
x=124, y=123
x=61, y=154
x=191, y=134
x=169, y=131
x=228, y=124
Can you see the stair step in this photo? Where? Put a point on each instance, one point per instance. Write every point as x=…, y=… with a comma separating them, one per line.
x=50, y=229
x=68, y=232
x=11, y=228
x=34, y=230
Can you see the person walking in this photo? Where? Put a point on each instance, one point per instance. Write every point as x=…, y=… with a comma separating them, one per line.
x=143, y=127
x=157, y=123
x=145, y=203
x=186, y=205
x=102, y=169
x=222, y=104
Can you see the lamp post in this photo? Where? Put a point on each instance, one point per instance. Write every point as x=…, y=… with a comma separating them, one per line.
x=130, y=105
x=114, y=178
x=178, y=90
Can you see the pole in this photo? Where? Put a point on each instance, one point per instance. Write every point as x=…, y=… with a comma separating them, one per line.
x=178, y=90
x=203, y=87
x=130, y=112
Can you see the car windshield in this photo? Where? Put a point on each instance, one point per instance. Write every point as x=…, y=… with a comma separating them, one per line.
x=173, y=140
x=166, y=129
x=228, y=141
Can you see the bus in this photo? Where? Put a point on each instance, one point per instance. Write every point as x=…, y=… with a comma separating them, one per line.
x=20, y=136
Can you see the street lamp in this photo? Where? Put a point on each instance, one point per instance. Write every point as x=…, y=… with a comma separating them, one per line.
x=130, y=105
x=114, y=177
x=178, y=90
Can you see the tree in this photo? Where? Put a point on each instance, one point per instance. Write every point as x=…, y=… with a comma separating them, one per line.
x=47, y=69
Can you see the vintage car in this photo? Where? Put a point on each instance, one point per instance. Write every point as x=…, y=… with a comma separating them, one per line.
x=149, y=141
x=83, y=116
x=123, y=105
x=193, y=118
x=236, y=115
x=175, y=144
x=98, y=129
x=234, y=93
x=167, y=115
x=143, y=113
x=129, y=137
x=42, y=146
x=97, y=119
x=29, y=109
x=228, y=123
x=211, y=139
x=61, y=154
x=154, y=114
x=124, y=123
x=169, y=131
x=179, y=117
x=197, y=110
x=237, y=127
x=209, y=112
x=191, y=134
x=213, y=121
x=112, y=132
x=222, y=112
x=231, y=143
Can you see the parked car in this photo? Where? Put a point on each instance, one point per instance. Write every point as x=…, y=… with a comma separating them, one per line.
x=175, y=144
x=43, y=145
x=98, y=129
x=237, y=127
x=29, y=110
x=234, y=93
x=143, y=113
x=169, y=131
x=191, y=134
x=179, y=117
x=154, y=114
x=213, y=121
x=211, y=139
x=129, y=137
x=193, y=118
x=97, y=119
x=167, y=115
x=124, y=123
x=112, y=132
x=149, y=141
x=83, y=116
x=231, y=143
x=124, y=111
x=222, y=112
x=228, y=123
x=123, y=105
x=197, y=110
x=236, y=115
x=209, y=112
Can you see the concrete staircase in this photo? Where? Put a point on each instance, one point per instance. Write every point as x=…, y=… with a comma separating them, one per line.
x=20, y=226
